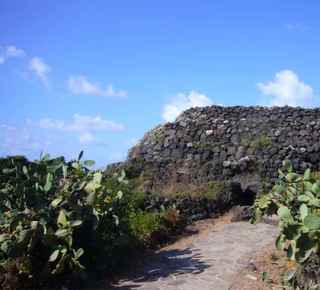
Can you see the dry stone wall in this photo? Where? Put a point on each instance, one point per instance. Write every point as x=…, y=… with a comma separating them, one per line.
x=240, y=144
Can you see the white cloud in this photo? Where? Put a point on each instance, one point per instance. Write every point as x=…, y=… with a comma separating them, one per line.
x=85, y=126
x=287, y=89
x=80, y=85
x=86, y=138
x=10, y=51
x=81, y=123
x=182, y=102
x=40, y=68
x=20, y=140
x=48, y=123
x=36, y=64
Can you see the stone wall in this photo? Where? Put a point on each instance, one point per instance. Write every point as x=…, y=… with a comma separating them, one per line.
x=240, y=144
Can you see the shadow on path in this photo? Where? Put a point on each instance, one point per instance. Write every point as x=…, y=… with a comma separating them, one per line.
x=165, y=264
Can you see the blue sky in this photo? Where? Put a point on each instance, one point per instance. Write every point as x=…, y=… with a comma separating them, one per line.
x=96, y=75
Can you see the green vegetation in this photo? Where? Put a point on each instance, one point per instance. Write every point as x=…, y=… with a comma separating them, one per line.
x=144, y=225
x=296, y=200
x=60, y=221
x=217, y=190
x=261, y=142
x=213, y=191
x=257, y=143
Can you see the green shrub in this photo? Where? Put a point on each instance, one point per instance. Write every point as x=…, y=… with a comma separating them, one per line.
x=59, y=219
x=296, y=200
x=144, y=225
x=215, y=190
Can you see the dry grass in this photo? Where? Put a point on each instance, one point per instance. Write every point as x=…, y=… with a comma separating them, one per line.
x=264, y=272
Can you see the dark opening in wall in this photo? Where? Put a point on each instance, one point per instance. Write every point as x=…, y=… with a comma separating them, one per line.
x=248, y=197
x=244, y=199
x=240, y=197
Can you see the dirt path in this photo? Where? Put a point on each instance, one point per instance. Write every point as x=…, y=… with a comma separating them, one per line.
x=209, y=260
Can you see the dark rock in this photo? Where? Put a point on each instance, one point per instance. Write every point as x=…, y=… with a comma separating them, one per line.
x=242, y=144
x=241, y=213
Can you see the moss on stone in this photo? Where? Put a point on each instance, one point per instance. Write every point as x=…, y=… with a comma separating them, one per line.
x=214, y=190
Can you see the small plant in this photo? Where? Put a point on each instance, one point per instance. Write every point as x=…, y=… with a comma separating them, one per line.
x=261, y=142
x=265, y=277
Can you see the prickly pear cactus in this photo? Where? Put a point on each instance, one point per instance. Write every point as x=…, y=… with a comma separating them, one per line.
x=296, y=200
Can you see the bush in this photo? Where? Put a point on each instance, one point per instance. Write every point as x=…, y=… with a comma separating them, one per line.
x=144, y=225
x=59, y=218
x=60, y=221
x=296, y=200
